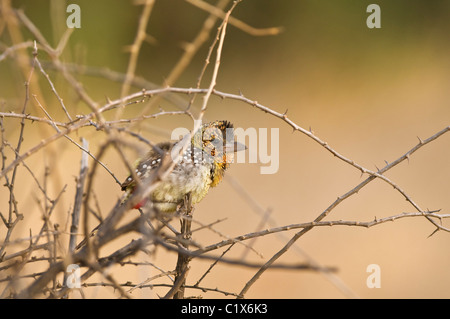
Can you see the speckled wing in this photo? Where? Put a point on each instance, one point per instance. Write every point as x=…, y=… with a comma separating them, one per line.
x=151, y=161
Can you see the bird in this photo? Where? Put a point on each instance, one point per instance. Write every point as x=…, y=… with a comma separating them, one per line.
x=201, y=167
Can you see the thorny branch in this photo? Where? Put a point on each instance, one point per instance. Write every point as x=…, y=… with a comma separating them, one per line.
x=154, y=232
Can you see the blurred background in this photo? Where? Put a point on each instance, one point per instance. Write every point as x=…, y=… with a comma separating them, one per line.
x=369, y=93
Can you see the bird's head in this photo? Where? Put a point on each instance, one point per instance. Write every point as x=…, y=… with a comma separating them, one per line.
x=216, y=140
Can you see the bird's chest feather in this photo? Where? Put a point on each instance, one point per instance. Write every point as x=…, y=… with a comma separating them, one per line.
x=185, y=178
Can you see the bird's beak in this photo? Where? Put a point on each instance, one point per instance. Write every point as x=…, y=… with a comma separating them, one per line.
x=235, y=147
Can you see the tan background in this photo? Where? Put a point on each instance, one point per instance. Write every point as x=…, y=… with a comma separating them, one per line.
x=368, y=93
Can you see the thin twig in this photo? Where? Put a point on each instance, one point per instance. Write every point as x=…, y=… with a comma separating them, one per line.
x=215, y=10
x=78, y=197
